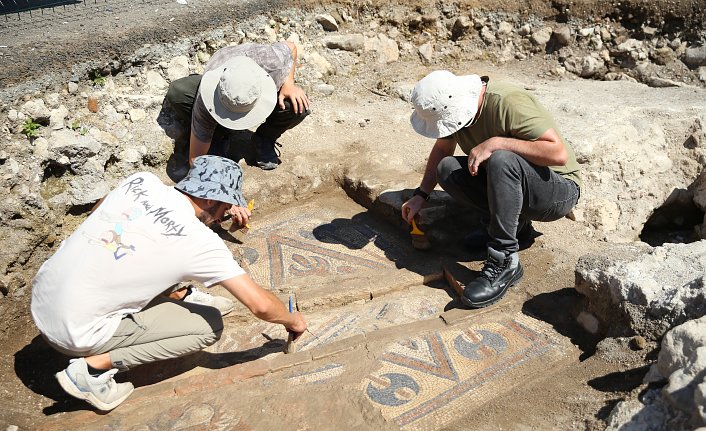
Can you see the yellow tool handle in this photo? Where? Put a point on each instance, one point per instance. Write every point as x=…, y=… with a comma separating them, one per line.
x=415, y=229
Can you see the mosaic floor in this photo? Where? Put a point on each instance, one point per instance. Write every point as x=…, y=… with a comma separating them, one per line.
x=423, y=383
x=332, y=325
x=310, y=241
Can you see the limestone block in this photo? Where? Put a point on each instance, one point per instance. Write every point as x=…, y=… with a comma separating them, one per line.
x=328, y=23
x=319, y=63
x=636, y=289
x=695, y=57
x=347, y=42
x=386, y=48
x=36, y=110
x=178, y=68
x=541, y=36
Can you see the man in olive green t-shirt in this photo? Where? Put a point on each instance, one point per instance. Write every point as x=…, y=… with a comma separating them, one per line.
x=517, y=169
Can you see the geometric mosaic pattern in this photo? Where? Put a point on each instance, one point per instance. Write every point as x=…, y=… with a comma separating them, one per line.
x=317, y=376
x=312, y=241
x=423, y=383
x=333, y=325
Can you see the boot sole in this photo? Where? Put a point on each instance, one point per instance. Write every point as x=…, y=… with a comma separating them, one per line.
x=491, y=301
x=68, y=385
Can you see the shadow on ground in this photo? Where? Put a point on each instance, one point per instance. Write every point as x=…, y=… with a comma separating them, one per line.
x=37, y=363
x=560, y=308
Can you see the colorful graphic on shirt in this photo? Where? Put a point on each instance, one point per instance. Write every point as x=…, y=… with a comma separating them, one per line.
x=112, y=239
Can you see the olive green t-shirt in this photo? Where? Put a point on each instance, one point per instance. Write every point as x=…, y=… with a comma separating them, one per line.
x=511, y=112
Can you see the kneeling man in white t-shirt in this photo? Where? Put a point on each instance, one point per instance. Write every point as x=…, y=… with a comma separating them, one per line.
x=98, y=298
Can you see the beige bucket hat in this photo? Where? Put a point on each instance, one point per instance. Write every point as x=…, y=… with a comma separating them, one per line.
x=239, y=94
x=444, y=103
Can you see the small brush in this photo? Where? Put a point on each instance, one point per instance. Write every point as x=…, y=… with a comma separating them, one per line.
x=419, y=240
x=239, y=232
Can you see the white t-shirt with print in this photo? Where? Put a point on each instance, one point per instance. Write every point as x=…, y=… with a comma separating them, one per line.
x=142, y=239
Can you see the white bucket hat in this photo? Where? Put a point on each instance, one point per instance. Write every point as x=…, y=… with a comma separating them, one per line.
x=444, y=103
x=239, y=94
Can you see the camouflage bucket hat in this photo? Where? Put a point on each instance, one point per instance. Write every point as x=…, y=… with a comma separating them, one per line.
x=216, y=178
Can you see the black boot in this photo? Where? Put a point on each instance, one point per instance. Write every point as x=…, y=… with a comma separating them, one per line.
x=499, y=273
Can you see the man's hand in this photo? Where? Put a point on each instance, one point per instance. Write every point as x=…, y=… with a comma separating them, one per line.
x=298, y=325
x=240, y=215
x=479, y=154
x=296, y=96
x=411, y=208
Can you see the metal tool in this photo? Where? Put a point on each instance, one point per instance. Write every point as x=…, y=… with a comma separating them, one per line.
x=290, y=346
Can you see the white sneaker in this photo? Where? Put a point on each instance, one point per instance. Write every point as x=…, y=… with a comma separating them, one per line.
x=196, y=296
x=102, y=391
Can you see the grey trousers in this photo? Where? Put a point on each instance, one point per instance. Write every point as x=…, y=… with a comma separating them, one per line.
x=165, y=329
x=508, y=190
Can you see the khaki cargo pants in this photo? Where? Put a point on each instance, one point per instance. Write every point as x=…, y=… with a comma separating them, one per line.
x=165, y=329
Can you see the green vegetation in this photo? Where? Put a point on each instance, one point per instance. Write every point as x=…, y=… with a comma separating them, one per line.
x=30, y=129
x=77, y=127
x=98, y=79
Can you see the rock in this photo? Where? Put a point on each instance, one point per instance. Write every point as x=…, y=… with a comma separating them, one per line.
x=695, y=57
x=36, y=110
x=403, y=90
x=92, y=104
x=504, y=28
x=130, y=155
x=682, y=359
x=663, y=56
x=178, y=68
x=319, y=63
x=632, y=415
x=460, y=27
x=657, y=82
x=270, y=33
x=327, y=22
x=348, y=42
x=541, y=37
x=562, y=34
x=386, y=48
x=612, y=76
x=638, y=343
x=52, y=100
x=587, y=32
x=487, y=35
x=72, y=87
x=426, y=53
x=325, y=89
x=57, y=117
x=525, y=30
x=642, y=290
x=585, y=67
x=156, y=82
x=137, y=115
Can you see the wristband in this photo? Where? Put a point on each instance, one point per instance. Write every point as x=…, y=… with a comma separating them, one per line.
x=419, y=192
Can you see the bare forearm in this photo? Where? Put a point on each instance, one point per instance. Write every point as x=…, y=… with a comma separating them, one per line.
x=548, y=150
x=442, y=148
x=262, y=303
x=290, y=77
x=197, y=147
